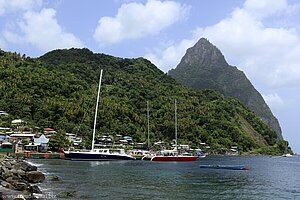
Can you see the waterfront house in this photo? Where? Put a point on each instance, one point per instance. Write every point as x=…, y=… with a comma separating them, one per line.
x=5, y=131
x=128, y=138
x=42, y=143
x=49, y=131
x=19, y=124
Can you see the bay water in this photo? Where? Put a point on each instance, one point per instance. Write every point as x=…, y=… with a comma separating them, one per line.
x=267, y=178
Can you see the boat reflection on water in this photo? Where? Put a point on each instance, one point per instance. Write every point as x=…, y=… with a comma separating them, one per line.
x=231, y=167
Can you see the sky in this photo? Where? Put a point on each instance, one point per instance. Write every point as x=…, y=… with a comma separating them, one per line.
x=260, y=37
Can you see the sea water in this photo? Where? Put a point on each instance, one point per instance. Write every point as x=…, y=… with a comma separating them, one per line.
x=267, y=178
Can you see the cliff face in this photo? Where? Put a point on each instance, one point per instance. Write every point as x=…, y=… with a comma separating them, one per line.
x=204, y=67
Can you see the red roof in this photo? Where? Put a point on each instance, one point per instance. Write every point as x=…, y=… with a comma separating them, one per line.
x=48, y=129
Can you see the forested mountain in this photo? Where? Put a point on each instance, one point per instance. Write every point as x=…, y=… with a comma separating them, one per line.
x=204, y=67
x=58, y=90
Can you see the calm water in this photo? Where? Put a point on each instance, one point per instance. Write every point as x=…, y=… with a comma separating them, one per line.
x=268, y=178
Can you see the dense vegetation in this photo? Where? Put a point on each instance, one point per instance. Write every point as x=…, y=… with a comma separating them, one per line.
x=58, y=90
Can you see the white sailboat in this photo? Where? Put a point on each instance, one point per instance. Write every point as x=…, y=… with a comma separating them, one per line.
x=173, y=155
x=98, y=154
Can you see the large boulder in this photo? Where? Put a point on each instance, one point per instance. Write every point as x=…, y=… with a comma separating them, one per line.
x=25, y=166
x=35, y=176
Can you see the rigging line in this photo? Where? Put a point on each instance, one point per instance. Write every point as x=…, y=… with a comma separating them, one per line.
x=85, y=112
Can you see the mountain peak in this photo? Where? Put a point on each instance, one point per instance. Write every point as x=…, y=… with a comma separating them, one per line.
x=204, y=53
x=204, y=67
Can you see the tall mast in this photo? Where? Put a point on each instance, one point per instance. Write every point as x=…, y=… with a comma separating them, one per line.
x=96, y=112
x=148, y=125
x=176, y=125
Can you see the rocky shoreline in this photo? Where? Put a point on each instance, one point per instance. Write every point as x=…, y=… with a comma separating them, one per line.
x=19, y=179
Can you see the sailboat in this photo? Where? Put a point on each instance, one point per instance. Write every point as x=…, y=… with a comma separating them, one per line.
x=173, y=155
x=98, y=154
x=147, y=154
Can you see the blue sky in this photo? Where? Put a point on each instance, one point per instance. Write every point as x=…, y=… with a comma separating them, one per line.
x=260, y=37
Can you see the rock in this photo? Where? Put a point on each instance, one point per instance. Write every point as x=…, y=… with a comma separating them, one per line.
x=21, y=173
x=17, y=175
x=35, y=176
x=33, y=189
x=20, y=186
x=67, y=194
x=12, y=179
x=5, y=184
x=14, y=171
x=6, y=173
x=8, y=165
x=54, y=178
x=25, y=166
x=18, y=183
x=11, y=187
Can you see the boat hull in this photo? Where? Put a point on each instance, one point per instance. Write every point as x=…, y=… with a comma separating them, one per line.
x=96, y=156
x=174, y=158
x=138, y=157
x=146, y=158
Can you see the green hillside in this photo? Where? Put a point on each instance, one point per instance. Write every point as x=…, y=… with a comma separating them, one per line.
x=58, y=90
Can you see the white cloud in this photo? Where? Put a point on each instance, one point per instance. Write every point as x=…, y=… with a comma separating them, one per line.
x=265, y=8
x=42, y=30
x=269, y=55
x=15, y=5
x=266, y=53
x=136, y=20
x=170, y=56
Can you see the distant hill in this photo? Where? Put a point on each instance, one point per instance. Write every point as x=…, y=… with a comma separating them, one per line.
x=204, y=67
x=58, y=90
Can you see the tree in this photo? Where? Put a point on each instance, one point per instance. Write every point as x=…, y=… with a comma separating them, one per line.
x=59, y=140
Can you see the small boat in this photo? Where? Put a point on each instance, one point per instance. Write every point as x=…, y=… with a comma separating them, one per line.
x=287, y=155
x=138, y=154
x=200, y=153
x=232, y=167
x=98, y=154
